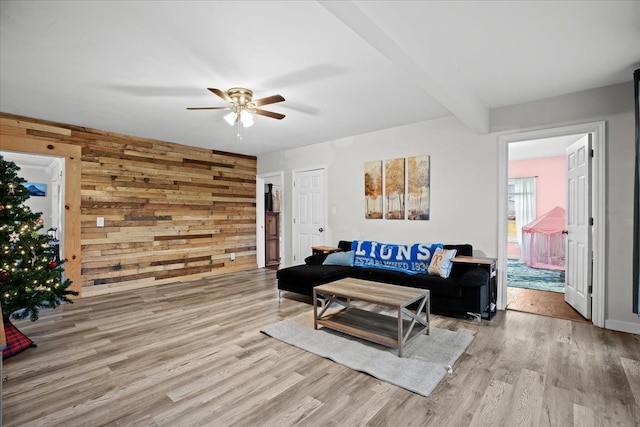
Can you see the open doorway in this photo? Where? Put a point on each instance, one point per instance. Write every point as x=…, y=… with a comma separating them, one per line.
x=585, y=274
x=47, y=174
x=536, y=219
x=271, y=205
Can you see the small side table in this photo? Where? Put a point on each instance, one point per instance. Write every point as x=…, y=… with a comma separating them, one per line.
x=489, y=264
x=317, y=250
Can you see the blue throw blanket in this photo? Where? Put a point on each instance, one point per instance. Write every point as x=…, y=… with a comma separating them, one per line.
x=410, y=259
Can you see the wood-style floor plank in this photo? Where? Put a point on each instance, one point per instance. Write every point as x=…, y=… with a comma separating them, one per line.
x=192, y=354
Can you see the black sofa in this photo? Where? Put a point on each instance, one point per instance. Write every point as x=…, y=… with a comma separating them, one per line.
x=465, y=293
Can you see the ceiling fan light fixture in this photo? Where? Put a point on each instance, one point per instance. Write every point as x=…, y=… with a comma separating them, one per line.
x=246, y=118
x=243, y=107
x=231, y=118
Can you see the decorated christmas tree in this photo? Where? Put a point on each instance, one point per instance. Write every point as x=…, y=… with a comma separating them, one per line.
x=31, y=276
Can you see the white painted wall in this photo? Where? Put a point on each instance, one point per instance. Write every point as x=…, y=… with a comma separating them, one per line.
x=464, y=174
x=458, y=182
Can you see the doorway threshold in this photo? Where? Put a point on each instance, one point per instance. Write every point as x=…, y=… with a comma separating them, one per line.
x=545, y=303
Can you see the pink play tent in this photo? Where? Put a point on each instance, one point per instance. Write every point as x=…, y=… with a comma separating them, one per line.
x=543, y=244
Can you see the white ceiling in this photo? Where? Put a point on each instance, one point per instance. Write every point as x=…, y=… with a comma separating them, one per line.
x=538, y=148
x=345, y=68
x=33, y=160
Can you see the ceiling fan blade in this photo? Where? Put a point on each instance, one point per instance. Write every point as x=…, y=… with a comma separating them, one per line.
x=221, y=94
x=208, y=108
x=268, y=100
x=269, y=114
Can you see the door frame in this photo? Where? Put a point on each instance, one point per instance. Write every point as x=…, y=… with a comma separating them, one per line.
x=72, y=155
x=598, y=200
x=294, y=172
x=260, y=238
x=283, y=203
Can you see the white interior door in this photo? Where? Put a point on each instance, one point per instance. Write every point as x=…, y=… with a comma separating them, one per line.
x=579, y=251
x=260, y=239
x=309, y=213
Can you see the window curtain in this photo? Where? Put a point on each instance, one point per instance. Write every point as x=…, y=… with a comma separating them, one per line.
x=636, y=213
x=525, y=202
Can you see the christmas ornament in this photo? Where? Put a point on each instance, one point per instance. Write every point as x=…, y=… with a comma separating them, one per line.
x=53, y=264
x=4, y=275
x=14, y=237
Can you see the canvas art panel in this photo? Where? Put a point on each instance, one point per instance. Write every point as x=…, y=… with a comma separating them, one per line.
x=418, y=187
x=394, y=189
x=373, y=189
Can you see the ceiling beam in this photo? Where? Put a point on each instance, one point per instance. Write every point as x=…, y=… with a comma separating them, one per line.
x=449, y=92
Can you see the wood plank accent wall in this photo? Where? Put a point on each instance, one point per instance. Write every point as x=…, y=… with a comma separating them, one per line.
x=171, y=212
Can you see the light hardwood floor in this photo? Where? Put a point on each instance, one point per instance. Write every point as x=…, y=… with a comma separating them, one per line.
x=546, y=303
x=192, y=354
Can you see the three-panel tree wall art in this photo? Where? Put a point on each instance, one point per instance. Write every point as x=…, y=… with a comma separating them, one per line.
x=399, y=190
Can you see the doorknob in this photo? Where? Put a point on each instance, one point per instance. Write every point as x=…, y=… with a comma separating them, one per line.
x=565, y=232
x=321, y=229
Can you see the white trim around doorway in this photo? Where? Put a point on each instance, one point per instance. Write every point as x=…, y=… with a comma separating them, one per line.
x=280, y=175
x=597, y=129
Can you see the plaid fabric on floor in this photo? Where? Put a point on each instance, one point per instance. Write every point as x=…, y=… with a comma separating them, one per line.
x=16, y=340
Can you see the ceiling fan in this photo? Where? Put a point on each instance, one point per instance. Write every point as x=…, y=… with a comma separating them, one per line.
x=243, y=106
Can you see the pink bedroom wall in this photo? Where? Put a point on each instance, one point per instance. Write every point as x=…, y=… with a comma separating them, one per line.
x=550, y=186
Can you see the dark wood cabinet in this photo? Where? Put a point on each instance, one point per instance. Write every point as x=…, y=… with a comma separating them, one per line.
x=272, y=238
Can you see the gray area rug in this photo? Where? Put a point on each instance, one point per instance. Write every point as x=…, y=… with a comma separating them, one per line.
x=427, y=358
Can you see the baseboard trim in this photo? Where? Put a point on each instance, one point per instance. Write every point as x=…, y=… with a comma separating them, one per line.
x=616, y=325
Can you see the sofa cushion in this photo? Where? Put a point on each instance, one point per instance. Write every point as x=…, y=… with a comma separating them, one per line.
x=345, y=245
x=475, y=276
x=461, y=250
x=316, y=259
x=312, y=275
x=437, y=285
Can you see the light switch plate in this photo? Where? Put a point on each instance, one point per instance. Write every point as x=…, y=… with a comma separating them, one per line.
x=100, y=221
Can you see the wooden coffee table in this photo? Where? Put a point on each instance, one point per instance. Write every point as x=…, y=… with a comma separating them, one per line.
x=361, y=321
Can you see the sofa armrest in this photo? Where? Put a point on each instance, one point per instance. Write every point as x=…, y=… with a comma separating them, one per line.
x=345, y=245
x=317, y=259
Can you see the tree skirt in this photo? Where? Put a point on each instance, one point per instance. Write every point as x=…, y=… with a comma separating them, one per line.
x=16, y=340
